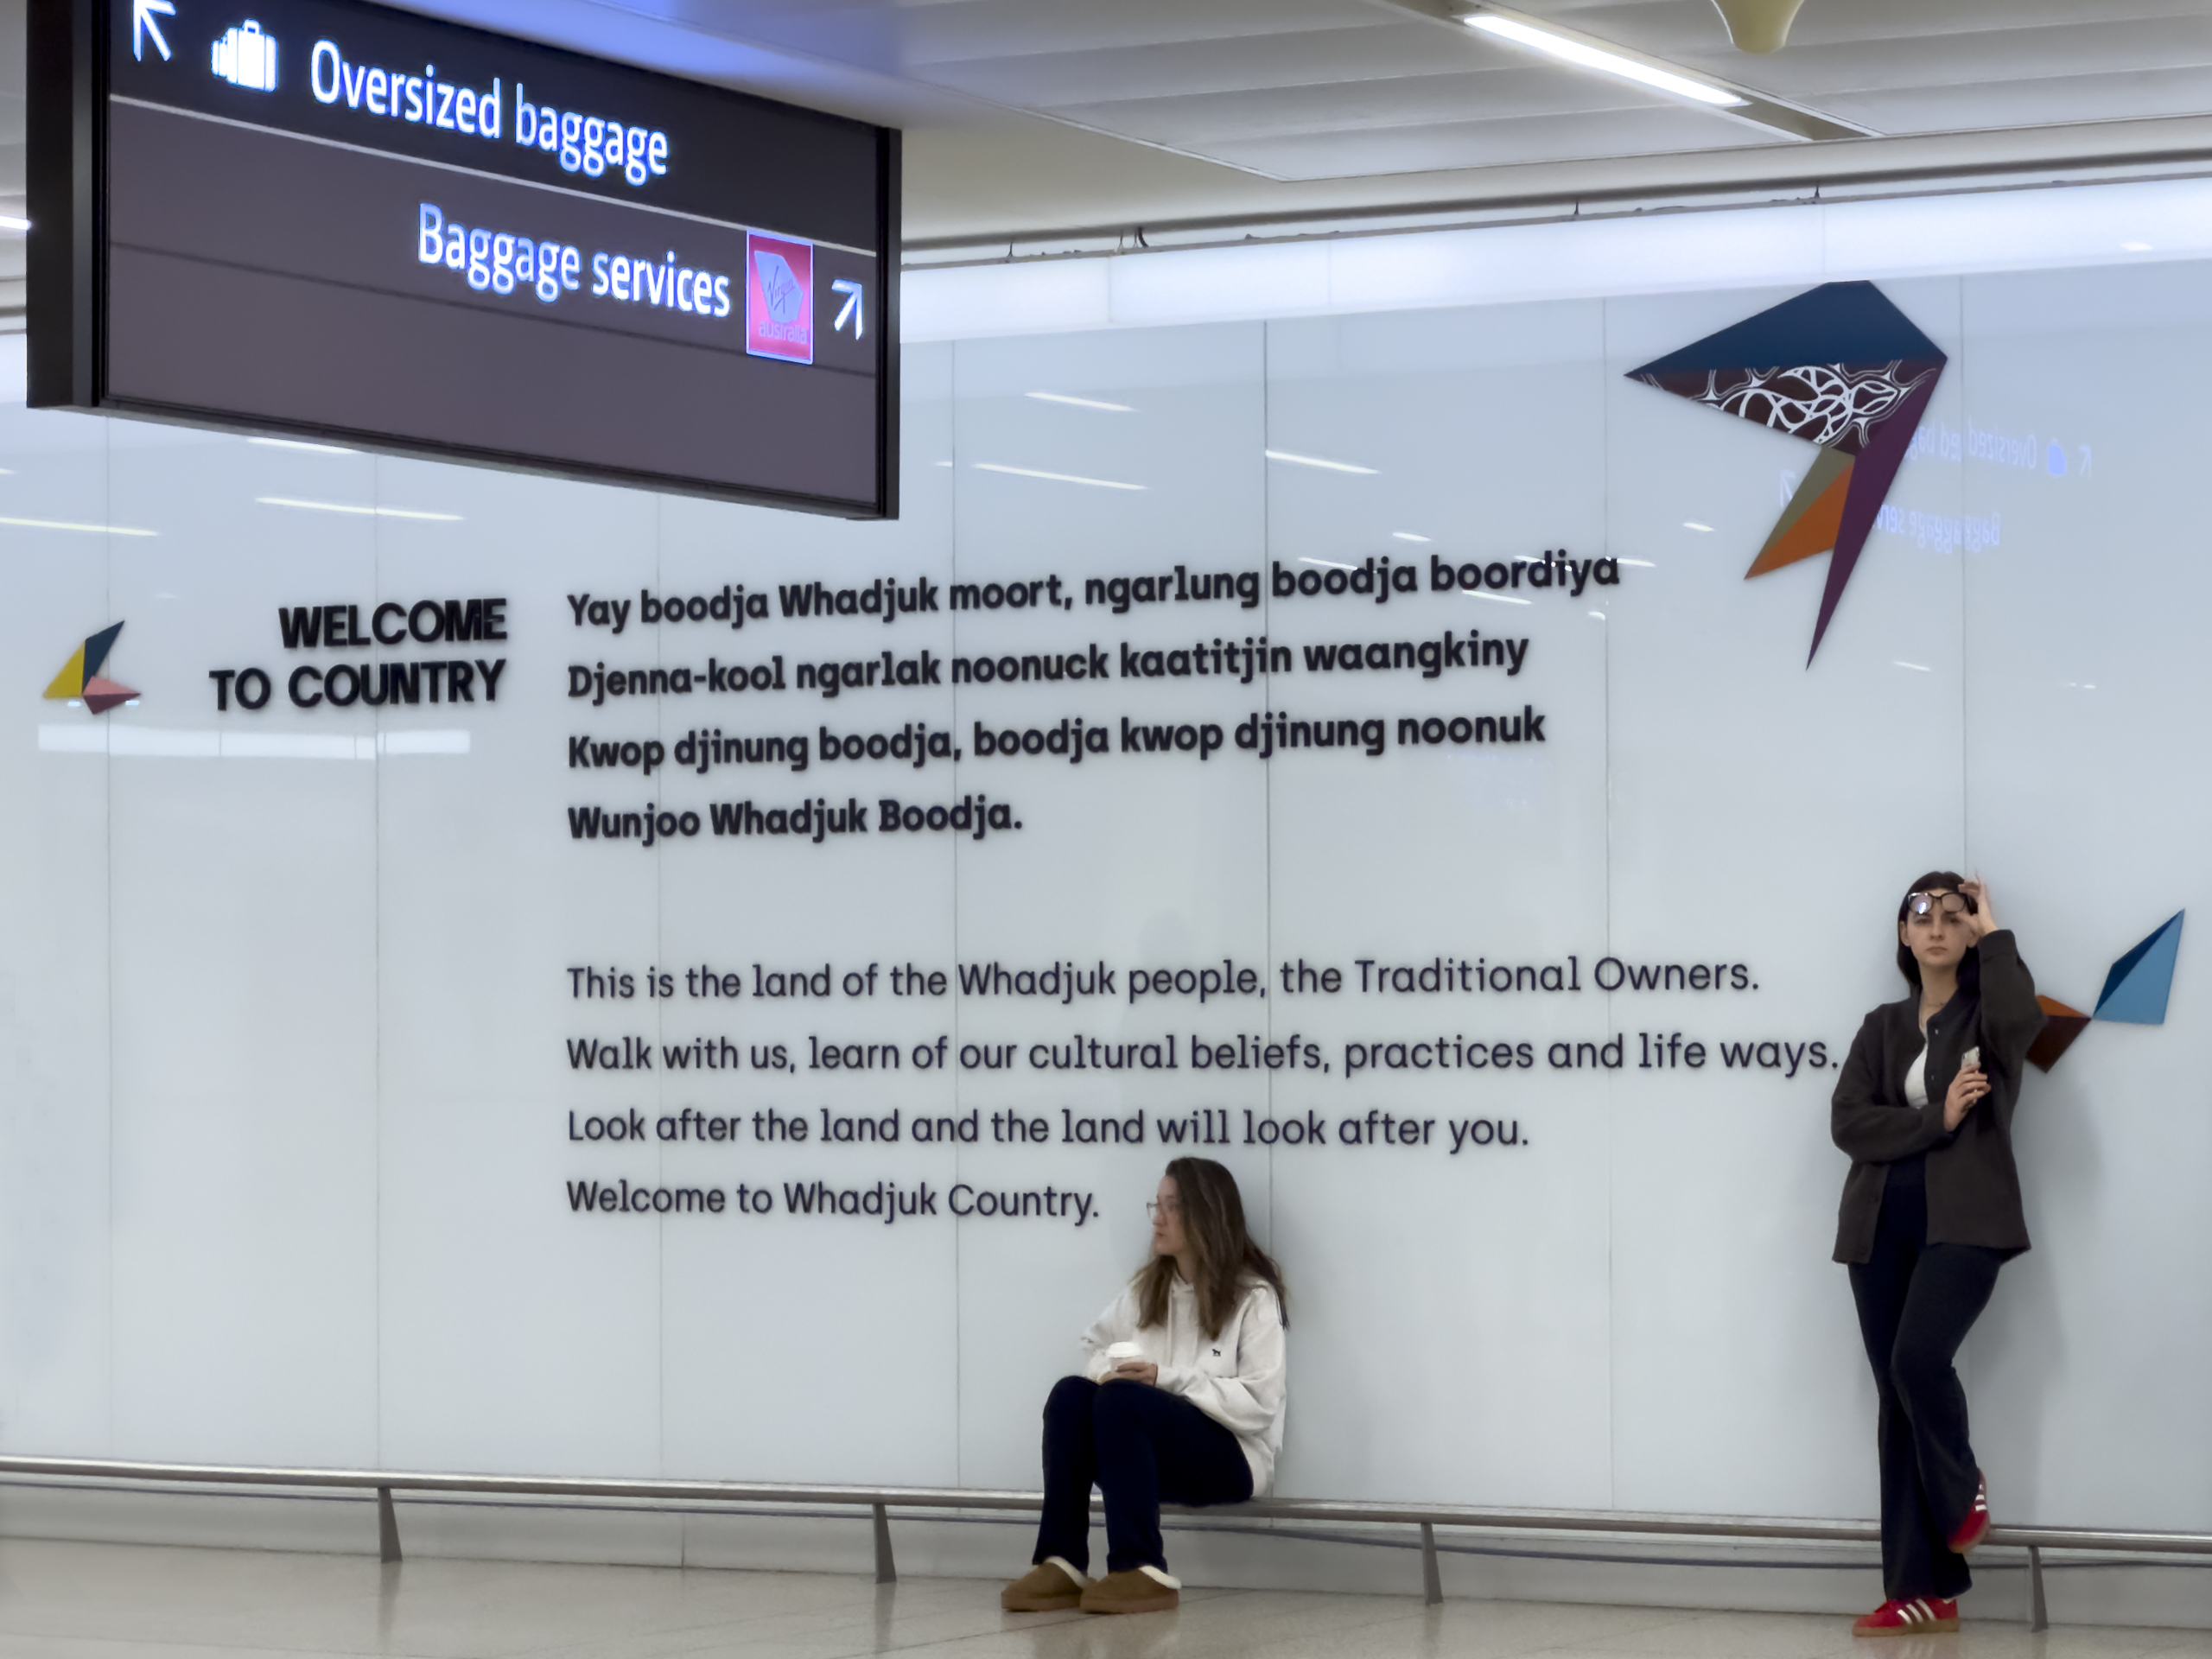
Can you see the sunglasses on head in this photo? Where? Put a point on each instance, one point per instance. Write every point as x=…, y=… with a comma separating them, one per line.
x=1950, y=905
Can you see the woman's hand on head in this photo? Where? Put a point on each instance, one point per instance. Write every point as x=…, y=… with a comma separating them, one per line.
x=1965, y=1094
x=1136, y=1370
x=1982, y=919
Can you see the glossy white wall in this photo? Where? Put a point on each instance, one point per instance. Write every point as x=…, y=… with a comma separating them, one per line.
x=288, y=997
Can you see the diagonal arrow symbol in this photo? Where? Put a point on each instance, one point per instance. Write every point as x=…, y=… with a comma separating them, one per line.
x=143, y=24
x=854, y=309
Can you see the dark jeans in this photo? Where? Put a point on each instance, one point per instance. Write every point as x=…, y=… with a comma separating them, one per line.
x=1916, y=1302
x=1142, y=1447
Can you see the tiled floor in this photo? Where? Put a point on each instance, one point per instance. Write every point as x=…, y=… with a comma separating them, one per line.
x=107, y=1601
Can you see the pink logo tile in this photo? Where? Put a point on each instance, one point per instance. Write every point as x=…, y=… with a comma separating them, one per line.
x=779, y=298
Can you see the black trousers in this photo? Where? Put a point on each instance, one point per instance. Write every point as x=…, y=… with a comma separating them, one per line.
x=1916, y=1302
x=1142, y=1447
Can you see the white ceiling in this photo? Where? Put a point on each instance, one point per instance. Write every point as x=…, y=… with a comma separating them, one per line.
x=1025, y=115
x=1030, y=114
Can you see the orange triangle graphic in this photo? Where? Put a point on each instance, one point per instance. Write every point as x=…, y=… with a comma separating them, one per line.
x=1814, y=515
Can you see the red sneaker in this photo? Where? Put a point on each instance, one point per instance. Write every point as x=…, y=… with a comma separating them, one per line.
x=1975, y=1528
x=1922, y=1616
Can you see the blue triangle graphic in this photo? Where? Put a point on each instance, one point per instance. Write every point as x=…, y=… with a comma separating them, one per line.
x=2136, y=989
x=1836, y=322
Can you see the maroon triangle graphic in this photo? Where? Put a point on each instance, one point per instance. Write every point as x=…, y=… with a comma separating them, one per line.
x=102, y=695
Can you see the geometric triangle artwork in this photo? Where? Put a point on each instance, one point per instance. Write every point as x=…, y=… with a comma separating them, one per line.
x=80, y=676
x=1842, y=368
x=2061, y=1026
x=2136, y=988
x=102, y=695
x=2136, y=993
x=70, y=682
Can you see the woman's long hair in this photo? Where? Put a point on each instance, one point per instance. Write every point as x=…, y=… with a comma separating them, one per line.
x=1908, y=964
x=1228, y=1260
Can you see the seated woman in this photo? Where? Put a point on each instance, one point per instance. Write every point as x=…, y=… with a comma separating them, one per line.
x=1181, y=1402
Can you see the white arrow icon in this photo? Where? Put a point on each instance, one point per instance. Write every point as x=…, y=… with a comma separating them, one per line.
x=847, y=286
x=143, y=24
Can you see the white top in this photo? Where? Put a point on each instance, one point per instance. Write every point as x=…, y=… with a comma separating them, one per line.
x=1235, y=1378
x=1916, y=1079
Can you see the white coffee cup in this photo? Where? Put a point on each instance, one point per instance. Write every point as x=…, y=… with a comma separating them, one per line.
x=1121, y=1353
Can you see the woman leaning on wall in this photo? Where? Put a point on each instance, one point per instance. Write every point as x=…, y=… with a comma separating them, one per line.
x=1931, y=1209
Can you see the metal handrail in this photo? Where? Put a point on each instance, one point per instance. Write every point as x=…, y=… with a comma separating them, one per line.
x=879, y=1501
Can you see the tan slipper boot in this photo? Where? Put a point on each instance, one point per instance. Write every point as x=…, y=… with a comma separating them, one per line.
x=1148, y=1590
x=1051, y=1586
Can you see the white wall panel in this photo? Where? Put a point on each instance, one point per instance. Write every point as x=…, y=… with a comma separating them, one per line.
x=291, y=1049
x=2085, y=772
x=244, y=1163
x=55, y=1218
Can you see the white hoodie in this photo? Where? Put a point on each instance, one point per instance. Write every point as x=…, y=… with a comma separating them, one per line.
x=1235, y=1378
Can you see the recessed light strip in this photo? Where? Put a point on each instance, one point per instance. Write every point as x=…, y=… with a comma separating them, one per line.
x=366, y=512
x=1553, y=38
x=1080, y=402
x=1586, y=56
x=1316, y=460
x=60, y=524
x=1057, y=478
x=301, y=444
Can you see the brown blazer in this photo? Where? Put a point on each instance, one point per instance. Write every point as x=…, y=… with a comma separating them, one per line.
x=1973, y=1188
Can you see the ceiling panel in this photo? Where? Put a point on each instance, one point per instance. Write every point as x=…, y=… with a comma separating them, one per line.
x=1232, y=80
x=1478, y=143
x=1991, y=56
x=904, y=38
x=1689, y=29
x=2061, y=97
x=1052, y=79
x=1202, y=124
x=1085, y=111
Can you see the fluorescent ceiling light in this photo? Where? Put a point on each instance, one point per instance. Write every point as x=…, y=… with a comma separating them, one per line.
x=1641, y=564
x=366, y=512
x=59, y=524
x=1080, y=402
x=2136, y=247
x=299, y=443
x=10, y=222
x=1498, y=599
x=1330, y=563
x=1057, y=478
x=1407, y=535
x=1918, y=668
x=1315, y=460
x=1692, y=524
x=1610, y=63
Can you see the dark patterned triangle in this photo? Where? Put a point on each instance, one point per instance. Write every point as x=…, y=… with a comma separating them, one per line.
x=1836, y=322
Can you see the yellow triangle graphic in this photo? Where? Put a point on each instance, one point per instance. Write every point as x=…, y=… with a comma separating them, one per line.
x=70, y=682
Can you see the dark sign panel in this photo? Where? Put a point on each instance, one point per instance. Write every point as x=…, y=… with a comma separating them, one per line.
x=327, y=218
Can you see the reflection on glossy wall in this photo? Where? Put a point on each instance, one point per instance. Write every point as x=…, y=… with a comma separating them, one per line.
x=288, y=1020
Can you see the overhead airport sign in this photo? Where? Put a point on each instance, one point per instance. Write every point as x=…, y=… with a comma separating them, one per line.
x=328, y=218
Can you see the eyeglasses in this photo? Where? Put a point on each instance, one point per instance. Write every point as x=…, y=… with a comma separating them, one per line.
x=1920, y=906
x=1159, y=1207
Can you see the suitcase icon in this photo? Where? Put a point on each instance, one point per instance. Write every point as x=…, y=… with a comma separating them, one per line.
x=245, y=57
